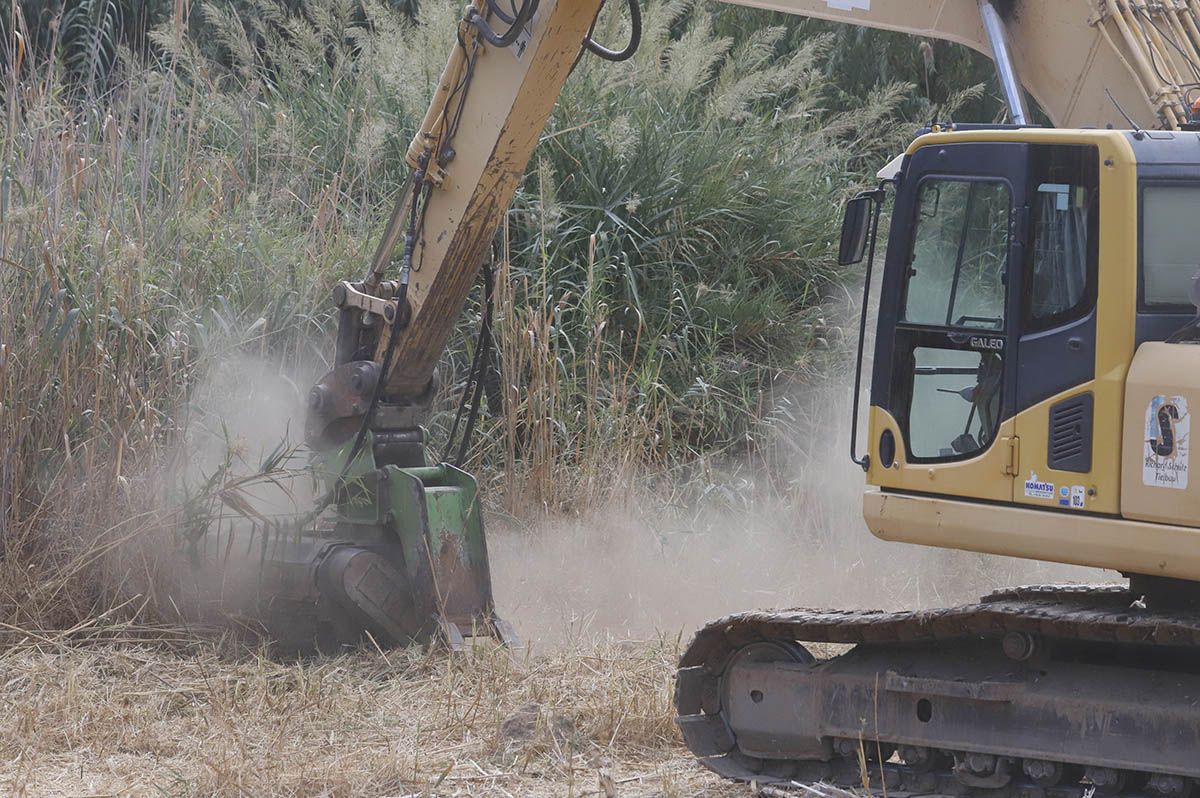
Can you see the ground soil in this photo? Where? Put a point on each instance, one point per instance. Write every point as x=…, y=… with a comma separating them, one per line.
x=130, y=718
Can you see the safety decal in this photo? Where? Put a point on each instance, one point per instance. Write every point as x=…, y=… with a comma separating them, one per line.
x=1036, y=489
x=1165, y=459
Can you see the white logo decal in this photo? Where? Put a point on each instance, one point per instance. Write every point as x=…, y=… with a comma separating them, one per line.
x=995, y=344
x=1167, y=444
x=849, y=5
x=1036, y=489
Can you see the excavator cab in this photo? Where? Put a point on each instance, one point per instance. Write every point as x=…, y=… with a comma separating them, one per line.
x=987, y=310
x=987, y=382
x=1023, y=335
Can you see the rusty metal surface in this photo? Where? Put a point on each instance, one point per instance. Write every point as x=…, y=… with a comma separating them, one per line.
x=464, y=587
x=343, y=393
x=1105, y=621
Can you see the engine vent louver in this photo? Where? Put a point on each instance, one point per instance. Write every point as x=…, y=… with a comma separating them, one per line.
x=1071, y=434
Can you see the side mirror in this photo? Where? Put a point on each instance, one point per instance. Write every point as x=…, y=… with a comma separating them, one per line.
x=856, y=225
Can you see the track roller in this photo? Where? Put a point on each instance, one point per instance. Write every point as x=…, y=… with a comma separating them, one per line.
x=872, y=750
x=986, y=771
x=1045, y=773
x=1107, y=781
x=1170, y=786
x=923, y=759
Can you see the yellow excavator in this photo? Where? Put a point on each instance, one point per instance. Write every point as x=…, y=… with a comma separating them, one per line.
x=1034, y=369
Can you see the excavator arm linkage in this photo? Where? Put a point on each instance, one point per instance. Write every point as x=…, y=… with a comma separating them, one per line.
x=1087, y=63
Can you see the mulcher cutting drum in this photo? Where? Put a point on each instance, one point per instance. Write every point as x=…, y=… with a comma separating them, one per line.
x=400, y=557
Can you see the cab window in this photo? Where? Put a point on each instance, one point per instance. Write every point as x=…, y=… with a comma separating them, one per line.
x=1170, y=243
x=954, y=312
x=955, y=402
x=1059, y=250
x=956, y=276
x=1063, y=257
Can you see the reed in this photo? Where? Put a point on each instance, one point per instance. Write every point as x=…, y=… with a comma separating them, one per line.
x=663, y=271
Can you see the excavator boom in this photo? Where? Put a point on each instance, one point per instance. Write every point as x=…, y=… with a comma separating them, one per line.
x=1125, y=63
x=1087, y=63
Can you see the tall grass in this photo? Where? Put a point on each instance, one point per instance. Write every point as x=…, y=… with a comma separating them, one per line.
x=661, y=269
x=666, y=263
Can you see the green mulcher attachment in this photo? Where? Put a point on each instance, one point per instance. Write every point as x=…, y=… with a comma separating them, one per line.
x=398, y=555
x=394, y=552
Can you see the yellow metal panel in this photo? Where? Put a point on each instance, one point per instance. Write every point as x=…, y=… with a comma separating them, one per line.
x=1052, y=536
x=508, y=100
x=1115, y=330
x=1101, y=486
x=1064, y=60
x=1156, y=486
x=1112, y=142
x=983, y=477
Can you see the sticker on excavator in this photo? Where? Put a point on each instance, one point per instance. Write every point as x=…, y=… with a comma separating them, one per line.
x=1167, y=444
x=849, y=5
x=524, y=38
x=1038, y=489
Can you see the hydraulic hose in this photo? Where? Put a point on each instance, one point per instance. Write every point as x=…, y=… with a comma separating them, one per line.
x=498, y=12
x=526, y=12
x=635, y=38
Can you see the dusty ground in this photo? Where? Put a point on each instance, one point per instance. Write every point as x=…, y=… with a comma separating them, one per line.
x=188, y=718
x=194, y=719
x=126, y=719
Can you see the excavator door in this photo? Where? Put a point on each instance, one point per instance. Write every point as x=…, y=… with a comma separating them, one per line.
x=945, y=382
x=984, y=388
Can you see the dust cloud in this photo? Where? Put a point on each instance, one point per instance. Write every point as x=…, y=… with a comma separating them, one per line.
x=248, y=425
x=636, y=568
x=628, y=572
x=245, y=476
x=244, y=410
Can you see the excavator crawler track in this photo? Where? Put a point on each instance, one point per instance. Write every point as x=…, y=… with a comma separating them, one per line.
x=1035, y=692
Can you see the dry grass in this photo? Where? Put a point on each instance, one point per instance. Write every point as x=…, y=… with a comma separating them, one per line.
x=126, y=719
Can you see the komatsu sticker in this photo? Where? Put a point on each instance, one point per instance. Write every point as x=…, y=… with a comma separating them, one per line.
x=1078, y=497
x=1167, y=444
x=1036, y=489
